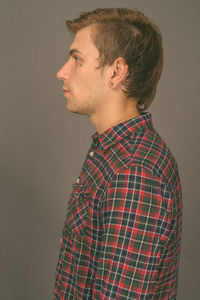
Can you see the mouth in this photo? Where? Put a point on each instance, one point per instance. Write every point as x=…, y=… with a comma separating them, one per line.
x=66, y=91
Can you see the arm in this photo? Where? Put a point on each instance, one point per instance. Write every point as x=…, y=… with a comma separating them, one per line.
x=136, y=221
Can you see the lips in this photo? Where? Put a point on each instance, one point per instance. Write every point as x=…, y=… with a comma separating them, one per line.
x=65, y=90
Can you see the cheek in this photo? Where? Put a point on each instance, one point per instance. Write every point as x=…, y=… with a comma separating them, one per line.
x=85, y=82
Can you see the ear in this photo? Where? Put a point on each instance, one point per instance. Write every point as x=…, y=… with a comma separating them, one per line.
x=119, y=71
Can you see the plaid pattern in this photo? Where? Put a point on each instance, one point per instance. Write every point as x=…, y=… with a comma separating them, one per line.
x=122, y=234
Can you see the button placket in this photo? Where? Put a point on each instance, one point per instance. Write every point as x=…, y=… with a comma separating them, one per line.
x=91, y=153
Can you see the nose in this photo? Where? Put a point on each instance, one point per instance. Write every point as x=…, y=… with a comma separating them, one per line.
x=63, y=73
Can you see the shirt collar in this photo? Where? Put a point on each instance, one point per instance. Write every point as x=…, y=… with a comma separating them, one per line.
x=122, y=130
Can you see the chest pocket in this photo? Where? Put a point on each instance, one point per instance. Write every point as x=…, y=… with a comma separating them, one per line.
x=79, y=210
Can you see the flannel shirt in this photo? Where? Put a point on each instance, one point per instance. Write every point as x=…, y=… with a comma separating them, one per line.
x=122, y=234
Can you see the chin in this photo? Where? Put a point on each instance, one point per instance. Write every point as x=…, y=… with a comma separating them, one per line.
x=70, y=107
x=74, y=110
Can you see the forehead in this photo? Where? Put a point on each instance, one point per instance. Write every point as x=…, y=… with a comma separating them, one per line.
x=83, y=42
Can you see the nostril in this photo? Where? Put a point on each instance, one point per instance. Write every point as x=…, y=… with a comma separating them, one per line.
x=60, y=74
x=63, y=73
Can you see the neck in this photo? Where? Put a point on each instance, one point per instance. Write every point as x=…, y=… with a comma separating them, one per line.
x=113, y=113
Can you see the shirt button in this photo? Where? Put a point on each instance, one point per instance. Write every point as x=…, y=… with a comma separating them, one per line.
x=91, y=153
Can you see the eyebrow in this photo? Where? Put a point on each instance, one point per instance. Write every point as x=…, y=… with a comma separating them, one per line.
x=74, y=51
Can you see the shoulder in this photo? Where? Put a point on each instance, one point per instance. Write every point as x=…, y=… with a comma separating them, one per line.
x=151, y=152
x=147, y=151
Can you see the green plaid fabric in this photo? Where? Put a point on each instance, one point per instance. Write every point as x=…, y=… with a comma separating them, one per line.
x=122, y=233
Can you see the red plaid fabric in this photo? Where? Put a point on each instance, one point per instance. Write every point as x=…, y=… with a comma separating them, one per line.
x=122, y=234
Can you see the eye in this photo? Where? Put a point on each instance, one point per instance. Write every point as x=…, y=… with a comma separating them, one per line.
x=76, y=58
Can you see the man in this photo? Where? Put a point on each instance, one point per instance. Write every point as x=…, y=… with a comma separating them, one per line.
x=122, y=233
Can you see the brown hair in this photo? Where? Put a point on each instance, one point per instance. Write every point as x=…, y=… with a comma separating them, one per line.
x=126, y=33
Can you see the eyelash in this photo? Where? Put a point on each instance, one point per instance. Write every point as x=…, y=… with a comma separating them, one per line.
x=76, y=58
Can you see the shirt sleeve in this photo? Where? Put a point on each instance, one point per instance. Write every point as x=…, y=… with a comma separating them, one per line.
x=136, y=228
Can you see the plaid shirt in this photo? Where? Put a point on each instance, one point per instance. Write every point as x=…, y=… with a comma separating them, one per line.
x=122, y=233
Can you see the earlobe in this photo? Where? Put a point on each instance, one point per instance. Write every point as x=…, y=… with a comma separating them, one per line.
x=111, y=84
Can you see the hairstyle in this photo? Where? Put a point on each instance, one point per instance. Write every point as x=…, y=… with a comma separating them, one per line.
x=126, y=33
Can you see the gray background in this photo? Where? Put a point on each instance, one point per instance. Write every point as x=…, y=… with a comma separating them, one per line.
x=43, y=146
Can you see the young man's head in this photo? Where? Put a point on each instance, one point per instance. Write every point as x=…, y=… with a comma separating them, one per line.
x=115, y=50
